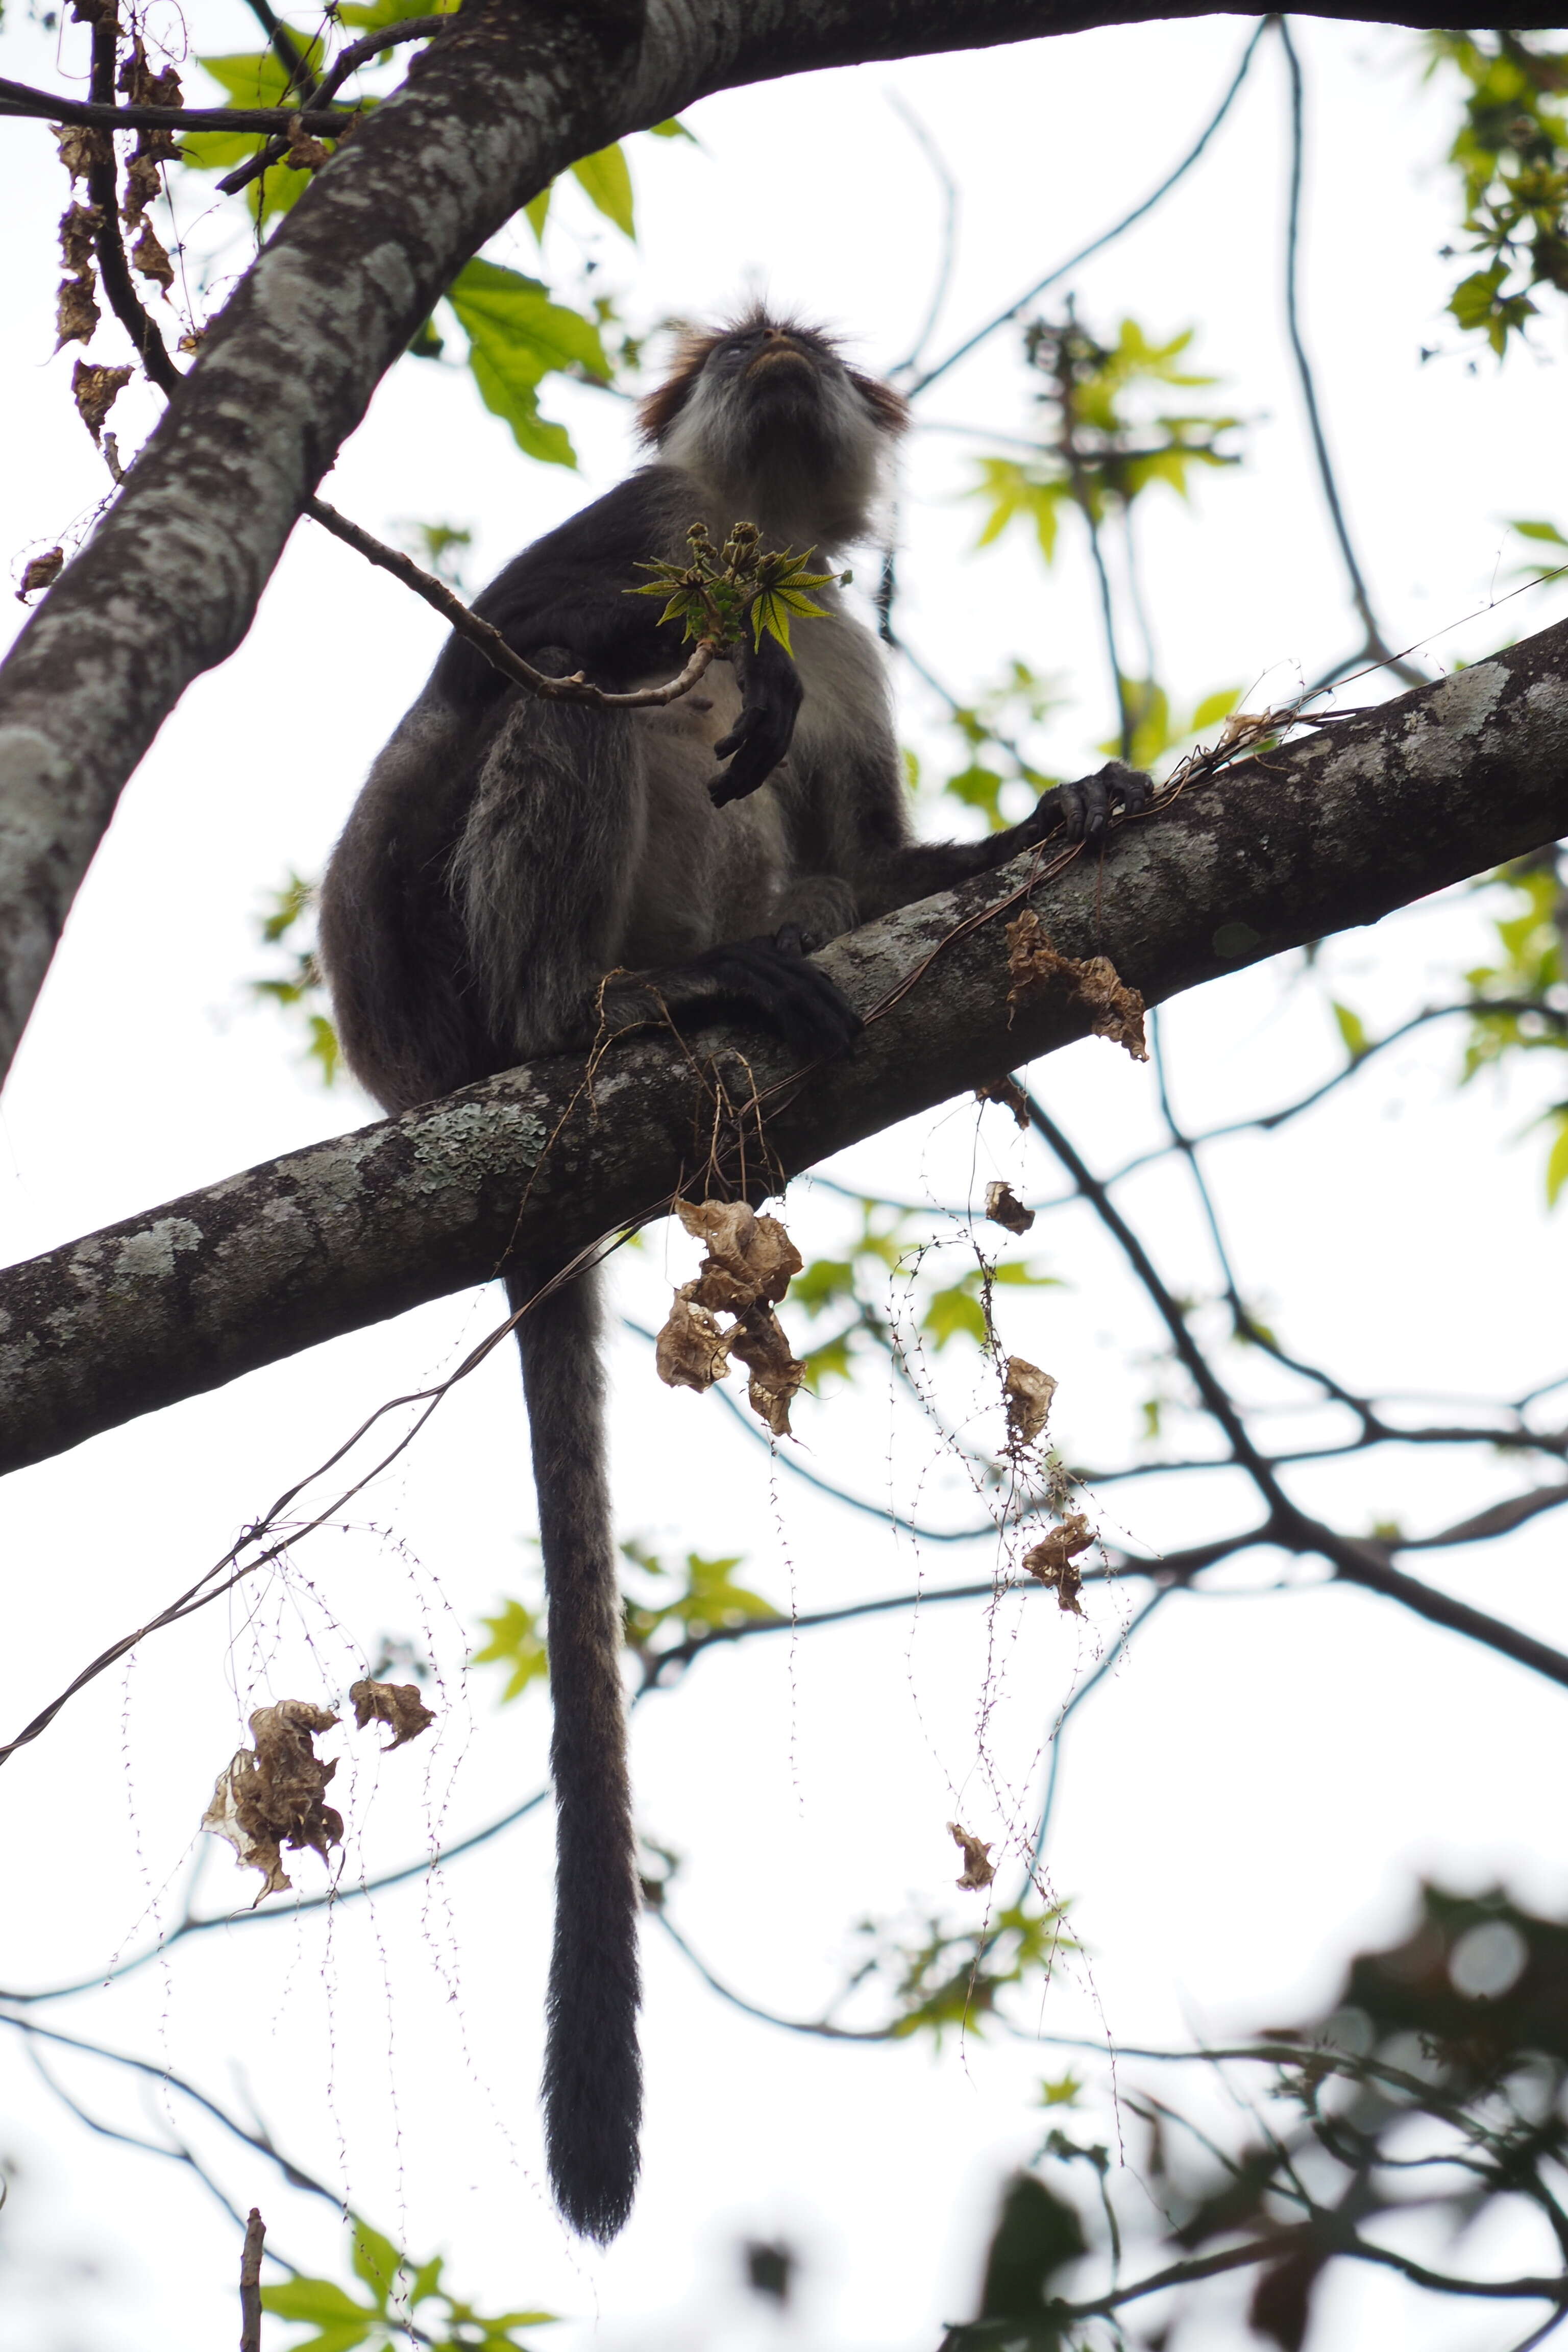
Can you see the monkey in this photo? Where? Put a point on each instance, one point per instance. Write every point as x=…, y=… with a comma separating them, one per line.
x=507, y=852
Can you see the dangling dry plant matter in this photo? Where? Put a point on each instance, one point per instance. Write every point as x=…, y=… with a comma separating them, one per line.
x=1010, y=1095
x=42, y=571
x=76, y=312
x=95, y=391
x=1053, y=1560
x=1003, y=1207
x=749, y=1263
x=978, y=1869
x=271, y=1796
x=397, y=1703
x=1029, y=1392
x=1115, y=1009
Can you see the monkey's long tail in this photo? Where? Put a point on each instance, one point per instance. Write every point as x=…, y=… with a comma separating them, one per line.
x=593, y=2074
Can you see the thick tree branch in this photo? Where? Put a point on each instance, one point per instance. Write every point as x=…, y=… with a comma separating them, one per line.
x=168, y=584
x=1333, y=832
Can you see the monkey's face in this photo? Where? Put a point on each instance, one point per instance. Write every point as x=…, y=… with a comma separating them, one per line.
x=771, y=398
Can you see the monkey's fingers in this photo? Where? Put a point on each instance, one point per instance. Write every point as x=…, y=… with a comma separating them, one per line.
x=1086, y=806
x=780, y=989
x=759, y=738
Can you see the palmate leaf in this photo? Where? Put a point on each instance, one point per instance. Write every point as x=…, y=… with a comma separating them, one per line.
x=518, y=336
x=515, y=1642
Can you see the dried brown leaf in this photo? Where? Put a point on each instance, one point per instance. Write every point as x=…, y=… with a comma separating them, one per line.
x=304, y=153
x=82, y=148
x=1115, y=1010
x=1009, y=1094
x=1052, y=1560
x=95, y=391
x=690, y=1353
x=41, y=572
x=271, y=1796
x=80, y=224
x=758, y=1340
x=1029, y=1392
x=140, y=85
x=397, y=1703
x=143, y=182
x=76, y=313
x=978, y=1870
x=194, y=341
x=1003, y=1207
x=148, y=257
x=750, y=1258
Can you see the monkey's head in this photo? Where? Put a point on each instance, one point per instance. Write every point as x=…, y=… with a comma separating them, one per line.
x=767, y=413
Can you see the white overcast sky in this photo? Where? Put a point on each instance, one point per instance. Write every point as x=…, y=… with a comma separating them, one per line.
x=1251, y=1796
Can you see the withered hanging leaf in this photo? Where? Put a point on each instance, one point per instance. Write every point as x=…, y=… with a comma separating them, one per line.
x=81, y=148
x=397, y=1703
x=1003, y=1207
x=758, y=1340
x=271, y=1796
x=750, y=1258
x=80, y=224
x=148, y=255
x=41, y=572
x=140, y=85
x=194, y=341
x=1029, y=1392
x=1115, y=1010
x=978, y=1870
x=143, y=181
x=691, y=1351
x=1051, y=1561
x=95, y=391
x=76, y=313
x=1009, y=1094
x=304, y=153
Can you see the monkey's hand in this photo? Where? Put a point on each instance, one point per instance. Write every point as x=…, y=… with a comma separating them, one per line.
x=1085, y=808
x=771, y=694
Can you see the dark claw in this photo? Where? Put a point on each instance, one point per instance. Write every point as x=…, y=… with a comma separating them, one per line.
x=1086, y=806
x=772, y=982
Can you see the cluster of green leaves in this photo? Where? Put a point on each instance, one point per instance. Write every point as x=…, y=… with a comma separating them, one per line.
x=709, y=1601
x=856, y=1284
x=989, y=728
x=948, y=1978
x=1157, y=727
x=719, y=592
x=407, y=2305
x=289, y=917
x=1099, y=447
x=1511, y=153
x=1531, y=972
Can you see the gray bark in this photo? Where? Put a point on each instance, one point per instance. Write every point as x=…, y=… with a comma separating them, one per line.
x=169, y=582
x=1335, y=831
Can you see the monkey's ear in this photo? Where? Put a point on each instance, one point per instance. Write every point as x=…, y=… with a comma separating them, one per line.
x=890, y=409
x=658, y=412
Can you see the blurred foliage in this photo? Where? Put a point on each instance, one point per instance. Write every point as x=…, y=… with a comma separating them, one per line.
x=708, y=1601
x=856, y=1284
x=1511, y=155
x=1532, y=973
x=945, y=1979
x=1433, y=2091
x=407, y=2305
x=288, y=918
x=1100, y=447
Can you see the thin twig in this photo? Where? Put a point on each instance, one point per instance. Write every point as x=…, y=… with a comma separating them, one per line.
x=492, y=643
x=18, y=100
x=348, y=61
x=1108, y=237
x=250, y=2283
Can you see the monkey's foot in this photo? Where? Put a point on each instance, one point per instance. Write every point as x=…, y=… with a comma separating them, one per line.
x=1085, y=807
x=771, y=982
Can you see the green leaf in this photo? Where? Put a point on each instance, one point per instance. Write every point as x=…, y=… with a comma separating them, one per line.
x=980, y=788
x=517, y=336
x=607, y=185
x=1062, y=2093
x=1018, y=495
x=515, y=1642
x=672, y=128
x=1557, y=1161
x=338, y=2335
x=817, y=1286
x=426, y=2280
x=950, y=1312
x=1546, y=531
x=1214, y=708
x=1352, y=1031
x=377, y=2261
x=325, y=1048
x=538, y=211
x=368, y=19
x=316, y=2299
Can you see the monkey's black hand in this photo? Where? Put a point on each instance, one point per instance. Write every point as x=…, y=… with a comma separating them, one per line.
x=772, y=982
x=1085, y=807
x=771, y=694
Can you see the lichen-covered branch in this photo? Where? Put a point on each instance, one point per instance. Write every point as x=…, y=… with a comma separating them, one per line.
x=1330, y=831
x=492, y=110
